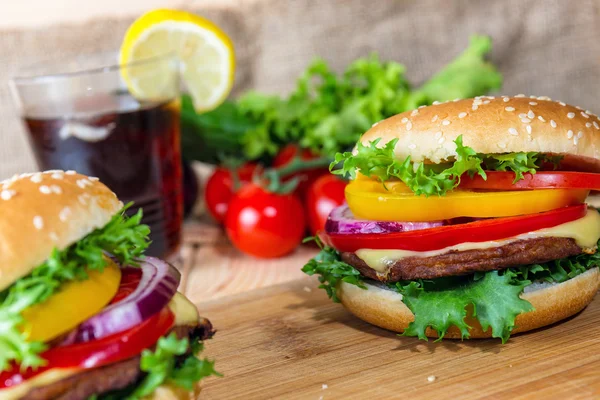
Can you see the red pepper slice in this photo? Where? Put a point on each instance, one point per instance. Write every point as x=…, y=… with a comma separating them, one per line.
x=450, y=235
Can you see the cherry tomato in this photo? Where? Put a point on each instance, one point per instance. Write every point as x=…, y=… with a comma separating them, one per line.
x=264, y=224
x=110, y=349
x=306, y=177
x=219, y=189
x=497, y=180
x=450, y=235
x=323, y=195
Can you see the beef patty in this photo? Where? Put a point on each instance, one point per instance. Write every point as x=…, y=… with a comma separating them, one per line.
x=109, y=377
x=452, y=263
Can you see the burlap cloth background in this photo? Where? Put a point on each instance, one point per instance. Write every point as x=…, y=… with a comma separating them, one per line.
x=542, y=47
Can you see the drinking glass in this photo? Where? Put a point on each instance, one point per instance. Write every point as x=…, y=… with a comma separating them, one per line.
x=82, y=116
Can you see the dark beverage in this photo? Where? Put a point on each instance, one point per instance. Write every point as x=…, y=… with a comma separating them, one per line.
x=132, y=147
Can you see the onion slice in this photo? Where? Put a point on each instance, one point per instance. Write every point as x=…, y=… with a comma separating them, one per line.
x=342, y=221
x=157, y=287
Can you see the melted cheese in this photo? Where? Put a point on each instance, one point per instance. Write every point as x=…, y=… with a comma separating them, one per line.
x=585, y=231
x=185, y=314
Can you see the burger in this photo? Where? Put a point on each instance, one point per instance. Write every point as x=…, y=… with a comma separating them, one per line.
x=467, y=219
x=83, y=314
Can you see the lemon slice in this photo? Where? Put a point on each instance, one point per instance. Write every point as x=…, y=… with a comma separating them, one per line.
x=204, y=51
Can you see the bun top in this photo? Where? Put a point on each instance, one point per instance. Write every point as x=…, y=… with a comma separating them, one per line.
x=47, y=210
x=492, y=125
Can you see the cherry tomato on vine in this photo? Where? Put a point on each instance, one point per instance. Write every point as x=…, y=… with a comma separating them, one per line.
x=322, y=196
x=219, y=189
x=305, y=178
x=264, y=224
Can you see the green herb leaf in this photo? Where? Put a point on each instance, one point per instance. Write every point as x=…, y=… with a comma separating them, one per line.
x=166, y=365
x=332, y=271
x=494, y=298
x=123, y=237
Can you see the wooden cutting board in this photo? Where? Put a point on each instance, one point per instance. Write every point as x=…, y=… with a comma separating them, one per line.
x=291, y=342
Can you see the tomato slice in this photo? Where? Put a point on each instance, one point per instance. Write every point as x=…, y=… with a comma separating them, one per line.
x=450, y=235
x=100, y=352
x=497, y=180
x=369, y=199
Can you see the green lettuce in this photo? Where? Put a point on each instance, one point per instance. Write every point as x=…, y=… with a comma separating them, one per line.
x=173, y=361
x=123, y=237
x=493, y=296
x=327, y=112
x=379, y=162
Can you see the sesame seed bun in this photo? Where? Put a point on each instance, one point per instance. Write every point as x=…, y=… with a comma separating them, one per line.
x=47, y=210
x=492, y=125
x=384, y=308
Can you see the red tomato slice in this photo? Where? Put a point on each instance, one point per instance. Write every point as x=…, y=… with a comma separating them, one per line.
x=100, y=352
x=450, y=235
x=497, y=180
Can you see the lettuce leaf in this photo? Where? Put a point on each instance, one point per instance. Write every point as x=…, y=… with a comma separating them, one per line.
x=494, y=296
x=379, y=162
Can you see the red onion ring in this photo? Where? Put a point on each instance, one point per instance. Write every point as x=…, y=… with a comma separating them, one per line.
x=157, y=287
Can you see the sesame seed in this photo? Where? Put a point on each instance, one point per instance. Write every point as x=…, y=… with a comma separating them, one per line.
x=571, y=115
x=53, y=236
x=457, y=99
x=596, y=125
x=588, y=124
x=82, y=199
x=532, y=103
x=414, y=112
x=530, y=114
x=533, y=97
x=486, y=102
x=474, y=108
x=462, y=115
x=404, y=120
x=57, y=175
x=513, y=131
x=408, y=126
x=445, y=122
x=541, y=118
x=562, y=103
x=579, y=108
x=502, y=145
x=435, y=117
x=528, y=128
x=45, y=189
x=56, y=189
x=7, y=194
x=522, y=115
x=544, y=98
x=552, y=123
x=441, y=140
x=435, y=103
x=431, y=378
x=575, y=141
x=412, y=146
x=70, y=172
x=569, y=134
x=38, y=222
x=588, y=112
x=36, y=178
x=505, y=99
x=324, y=386
x=525, y=120
x=520, y=95
x=374, y=125
x=437, y=135
x=64, y=214
x=82, y=183
x=510, y=109
x=579, y=134
x=584, y=115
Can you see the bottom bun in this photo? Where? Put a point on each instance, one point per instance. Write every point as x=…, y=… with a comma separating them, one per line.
x=171, y=392
x=384, y=308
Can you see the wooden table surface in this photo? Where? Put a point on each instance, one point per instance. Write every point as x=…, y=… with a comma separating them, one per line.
x=212, y=268
x=288, y=340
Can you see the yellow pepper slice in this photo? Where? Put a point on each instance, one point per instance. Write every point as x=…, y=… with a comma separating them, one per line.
x=369, y=199
x=74, y=303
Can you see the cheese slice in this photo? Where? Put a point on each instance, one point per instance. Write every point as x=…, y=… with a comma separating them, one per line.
x=185, y=314
x=585, y=231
